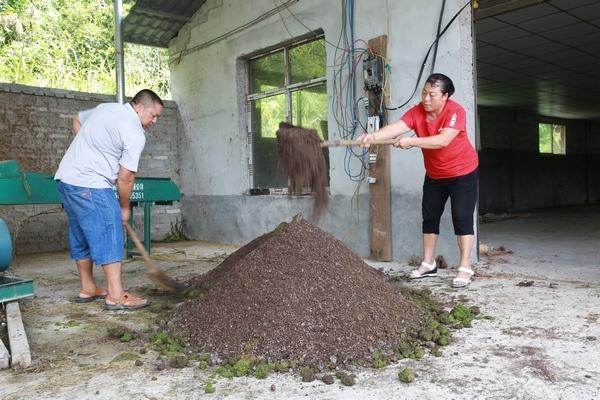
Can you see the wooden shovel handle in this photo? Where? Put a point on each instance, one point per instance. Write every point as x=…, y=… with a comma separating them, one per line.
x=136, y=241
x=339, y=143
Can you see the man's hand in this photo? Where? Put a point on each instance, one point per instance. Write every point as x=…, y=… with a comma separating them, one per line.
x=124, y=187
x=125, y=213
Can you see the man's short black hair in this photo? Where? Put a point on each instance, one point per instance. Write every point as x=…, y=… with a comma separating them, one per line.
x=146, y=97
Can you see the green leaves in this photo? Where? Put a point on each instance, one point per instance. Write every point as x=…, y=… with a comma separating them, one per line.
x=70, y=45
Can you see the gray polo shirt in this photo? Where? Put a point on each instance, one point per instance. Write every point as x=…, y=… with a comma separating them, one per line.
x=110, y=135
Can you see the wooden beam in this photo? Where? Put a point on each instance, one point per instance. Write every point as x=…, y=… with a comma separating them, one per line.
x=19, y=347
x=4, y=356
x=380, y=233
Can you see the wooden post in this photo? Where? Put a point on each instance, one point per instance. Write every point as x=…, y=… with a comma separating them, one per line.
x=19, y=347
x=4, y=356
x=380, y=234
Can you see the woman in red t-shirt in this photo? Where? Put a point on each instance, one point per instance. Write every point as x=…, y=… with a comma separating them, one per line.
x=451, y=170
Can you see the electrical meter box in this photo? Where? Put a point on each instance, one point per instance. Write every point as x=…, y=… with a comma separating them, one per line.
x=373, y=73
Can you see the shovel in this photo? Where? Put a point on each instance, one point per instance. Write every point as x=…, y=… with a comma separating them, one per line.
x=154, y=272
x=341, y=143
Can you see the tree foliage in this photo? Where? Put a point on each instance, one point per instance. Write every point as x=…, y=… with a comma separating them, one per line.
x=69, y=44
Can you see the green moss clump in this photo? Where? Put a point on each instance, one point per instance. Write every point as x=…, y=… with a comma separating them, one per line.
x=178, y=361
x=242, y=367
x=346, y=379
x=165, y=343
x=282, y=366
x=115, y=332
x=123, y=334
x=204, y=357
x=419, y=353
x=127, y=337
x=426, y=335
x=460, y=316
x=209, y=386
x=125, y=356
x=423, y=300
x=307, y=374
x=190, y=294
x=379, y=361
x=225, y=371
x=407, y=375
x=435, y=332
x=280, y=227
x=262, y=371
x=202, y=365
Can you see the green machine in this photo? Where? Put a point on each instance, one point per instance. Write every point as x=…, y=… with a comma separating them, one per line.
x=18, y=187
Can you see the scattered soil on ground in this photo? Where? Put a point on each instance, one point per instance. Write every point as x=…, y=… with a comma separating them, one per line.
x=296, y=293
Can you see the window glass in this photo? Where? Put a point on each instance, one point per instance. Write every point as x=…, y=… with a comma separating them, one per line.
x=293, y=96
x=545, y=131
x=552, y=139
x=307, y=61
x=266, y=114
x=309, y=109
x=267, y=73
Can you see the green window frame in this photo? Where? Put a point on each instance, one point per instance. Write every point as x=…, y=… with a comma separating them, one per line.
x=286, y=83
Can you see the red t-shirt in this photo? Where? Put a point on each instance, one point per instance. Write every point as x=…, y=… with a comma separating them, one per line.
x=459, y=157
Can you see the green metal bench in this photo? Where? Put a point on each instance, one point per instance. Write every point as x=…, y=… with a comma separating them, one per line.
x=18, y=187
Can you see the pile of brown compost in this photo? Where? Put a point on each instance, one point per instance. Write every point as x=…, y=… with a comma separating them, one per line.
x=296, y=293
x=301, y=157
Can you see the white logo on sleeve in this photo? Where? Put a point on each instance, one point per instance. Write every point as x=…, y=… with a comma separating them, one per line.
x=452, y=120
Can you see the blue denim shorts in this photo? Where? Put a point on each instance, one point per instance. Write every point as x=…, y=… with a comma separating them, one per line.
x=95, y=228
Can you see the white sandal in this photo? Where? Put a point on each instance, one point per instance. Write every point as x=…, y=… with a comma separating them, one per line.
x=431, y=271
x=463, y=282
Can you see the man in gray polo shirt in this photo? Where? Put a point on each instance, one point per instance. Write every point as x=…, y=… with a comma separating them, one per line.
x=106, y=150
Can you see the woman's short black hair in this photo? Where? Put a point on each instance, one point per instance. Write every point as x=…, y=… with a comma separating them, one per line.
x=443, y=82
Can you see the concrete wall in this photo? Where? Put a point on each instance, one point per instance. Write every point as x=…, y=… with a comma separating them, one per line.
x=515, y=176
x=35, y=130
x=208, y=85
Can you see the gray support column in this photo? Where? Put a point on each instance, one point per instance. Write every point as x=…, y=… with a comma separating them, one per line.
x=120, y=63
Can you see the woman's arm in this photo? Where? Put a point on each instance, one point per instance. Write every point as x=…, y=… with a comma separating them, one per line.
x=387, y=132
x=438, y=141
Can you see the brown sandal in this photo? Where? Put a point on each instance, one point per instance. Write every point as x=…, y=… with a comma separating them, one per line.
x=126, y=302
x=87, y=297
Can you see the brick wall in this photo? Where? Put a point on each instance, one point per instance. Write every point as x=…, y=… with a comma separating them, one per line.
x=35, y=130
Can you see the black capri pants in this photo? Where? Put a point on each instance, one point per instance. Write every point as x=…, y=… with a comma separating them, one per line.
x=462, y=191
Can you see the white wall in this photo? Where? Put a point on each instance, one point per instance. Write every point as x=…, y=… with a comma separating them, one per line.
x=208, y=86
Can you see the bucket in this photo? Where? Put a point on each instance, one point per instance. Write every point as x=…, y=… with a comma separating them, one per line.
x=6, y=249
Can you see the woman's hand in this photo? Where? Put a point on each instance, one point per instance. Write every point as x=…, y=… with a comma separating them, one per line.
x=405, y=142
x=365, y=140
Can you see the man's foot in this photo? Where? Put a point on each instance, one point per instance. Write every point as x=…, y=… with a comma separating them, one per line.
x=463, y=279
x=86, y=297
x=126, y=302
x=425, y=270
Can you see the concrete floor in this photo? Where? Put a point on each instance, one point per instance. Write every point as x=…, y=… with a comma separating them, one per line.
x=543, y=343
x=560, y=243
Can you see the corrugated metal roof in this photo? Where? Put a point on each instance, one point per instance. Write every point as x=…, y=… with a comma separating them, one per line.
x=156, y=22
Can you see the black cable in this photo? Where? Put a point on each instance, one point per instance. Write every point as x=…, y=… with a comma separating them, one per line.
x=438, y=34
x=427, y=56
